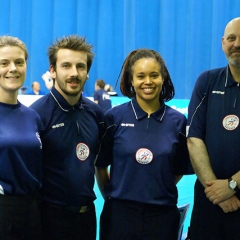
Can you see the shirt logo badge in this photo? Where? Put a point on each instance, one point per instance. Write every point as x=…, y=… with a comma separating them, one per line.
x=144, y=156
x=230, y=122
x=82, y=151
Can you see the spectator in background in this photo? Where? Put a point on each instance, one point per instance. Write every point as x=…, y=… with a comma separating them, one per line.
x=36, y=89
x=101, y=97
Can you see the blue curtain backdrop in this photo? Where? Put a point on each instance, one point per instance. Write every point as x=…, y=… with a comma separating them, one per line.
x=187, y=33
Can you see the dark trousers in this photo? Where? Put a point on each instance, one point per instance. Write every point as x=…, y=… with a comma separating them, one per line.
x=136, y=221
x=63, y=224
x=209, y=222
x=19, y=218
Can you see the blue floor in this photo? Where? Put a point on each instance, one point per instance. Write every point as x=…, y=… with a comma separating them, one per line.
x=185, y=195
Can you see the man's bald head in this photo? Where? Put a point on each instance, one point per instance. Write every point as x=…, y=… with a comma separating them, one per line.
x=231, y=42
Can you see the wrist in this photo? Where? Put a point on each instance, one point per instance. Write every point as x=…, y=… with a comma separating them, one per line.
x=232, y=184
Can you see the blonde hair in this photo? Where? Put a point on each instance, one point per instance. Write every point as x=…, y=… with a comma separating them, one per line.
x=13, y=41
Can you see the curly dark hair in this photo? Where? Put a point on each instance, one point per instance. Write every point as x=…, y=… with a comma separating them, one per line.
x=126, y=88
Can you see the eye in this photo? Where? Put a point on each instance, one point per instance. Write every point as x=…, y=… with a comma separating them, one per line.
x=231, y=38
x=155, y=75
x=20, y=62
x=3, y=63
x=140, y=76
x=65, y=65
x=81, y=66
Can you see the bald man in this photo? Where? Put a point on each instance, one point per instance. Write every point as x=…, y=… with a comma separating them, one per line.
x=214, y=145
x=36, y=89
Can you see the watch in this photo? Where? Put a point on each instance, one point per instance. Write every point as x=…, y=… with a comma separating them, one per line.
x=232, y=184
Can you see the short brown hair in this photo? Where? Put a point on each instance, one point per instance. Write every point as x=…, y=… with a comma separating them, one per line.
x=100, y=83
x=15, y=42
x=126, y=88
x=73, y=42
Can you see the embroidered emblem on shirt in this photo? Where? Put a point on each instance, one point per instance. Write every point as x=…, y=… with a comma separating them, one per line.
x=144, y=156
x=230, y=122
x=127, y=124
x=82, y=151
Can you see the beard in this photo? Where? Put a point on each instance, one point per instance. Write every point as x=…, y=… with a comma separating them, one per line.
x=72, y=94
x=234, y=61
x=67, y=91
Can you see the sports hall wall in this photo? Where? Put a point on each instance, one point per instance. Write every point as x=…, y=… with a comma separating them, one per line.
x=187, y=33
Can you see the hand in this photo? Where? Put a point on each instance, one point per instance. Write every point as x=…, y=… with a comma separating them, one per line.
x=218, y=191
x=230, y=205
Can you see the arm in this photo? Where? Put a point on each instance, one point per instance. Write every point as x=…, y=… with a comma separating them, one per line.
x=102, y=176
x=230, y=205
x=216, y=191
x=200, y=160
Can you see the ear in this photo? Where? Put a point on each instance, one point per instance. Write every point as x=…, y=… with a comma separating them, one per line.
x=223, y=43
x=52, y=72
x=87, y=77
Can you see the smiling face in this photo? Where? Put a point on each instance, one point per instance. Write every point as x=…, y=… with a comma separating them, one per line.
x=231, y=42
x=12, y=69
x=70, y=74
x=147, y=81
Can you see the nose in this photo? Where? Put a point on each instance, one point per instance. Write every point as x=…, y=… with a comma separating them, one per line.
x=237, y=42
x=12, y=67
x=148, y=80
x=74, y=71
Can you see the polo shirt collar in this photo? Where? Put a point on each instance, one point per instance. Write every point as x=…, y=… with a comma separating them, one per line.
x=229, y=79
x=61, y=101
x=139, y=113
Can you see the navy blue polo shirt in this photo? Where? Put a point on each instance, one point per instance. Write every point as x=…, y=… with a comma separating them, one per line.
x=103, y=99
x=213, y=116
x=20, y=150
x=144, y=153
x=70, y=139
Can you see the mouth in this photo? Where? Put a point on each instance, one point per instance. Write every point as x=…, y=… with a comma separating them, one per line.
x=73, y=82
x=148, y=90
x=12, y=77
x=237, y=51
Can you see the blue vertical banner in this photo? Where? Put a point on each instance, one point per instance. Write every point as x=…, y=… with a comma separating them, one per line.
x=186, y=33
